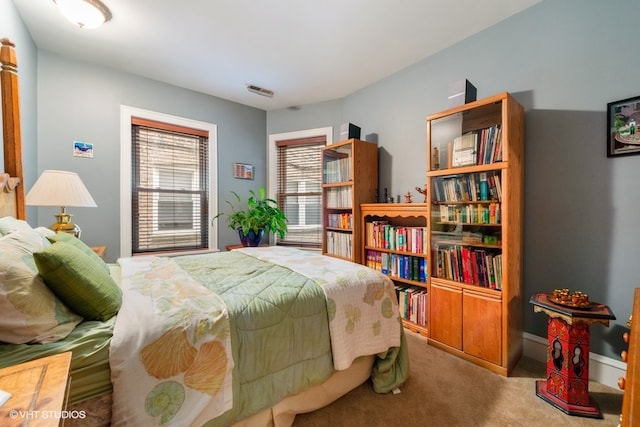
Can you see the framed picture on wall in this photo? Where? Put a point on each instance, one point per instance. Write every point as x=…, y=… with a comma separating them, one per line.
x=242, y=171
x=623, y=119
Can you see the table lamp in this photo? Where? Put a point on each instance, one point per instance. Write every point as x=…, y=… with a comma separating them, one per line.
x=61, y=188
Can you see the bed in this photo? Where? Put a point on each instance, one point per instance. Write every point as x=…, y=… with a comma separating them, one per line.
x=248, y=337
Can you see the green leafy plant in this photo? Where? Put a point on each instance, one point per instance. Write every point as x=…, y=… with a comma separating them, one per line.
x=258, y=213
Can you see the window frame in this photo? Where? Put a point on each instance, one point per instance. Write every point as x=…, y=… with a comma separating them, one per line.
x=272, y=151
x=126, y=114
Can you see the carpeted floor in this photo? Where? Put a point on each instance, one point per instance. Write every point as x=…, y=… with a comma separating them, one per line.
x=443, y=390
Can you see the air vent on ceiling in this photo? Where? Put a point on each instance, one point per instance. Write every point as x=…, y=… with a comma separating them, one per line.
x=260, y=91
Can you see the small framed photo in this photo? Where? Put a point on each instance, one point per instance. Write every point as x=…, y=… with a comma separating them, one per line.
x=623, y=120
x=83, y=149
x=242, y=171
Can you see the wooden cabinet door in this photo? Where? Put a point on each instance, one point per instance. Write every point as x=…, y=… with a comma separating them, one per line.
x=445, y=315
x=482, y=328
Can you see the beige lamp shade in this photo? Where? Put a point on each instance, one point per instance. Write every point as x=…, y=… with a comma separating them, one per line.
x=61, y=188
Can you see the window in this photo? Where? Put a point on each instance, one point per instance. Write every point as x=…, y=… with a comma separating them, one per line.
x=127, y=220
x=169, y=187
x=299, y=189
x=176, y=211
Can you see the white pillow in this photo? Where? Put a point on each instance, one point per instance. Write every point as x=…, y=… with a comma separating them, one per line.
x=31, y=313
x=9, y=224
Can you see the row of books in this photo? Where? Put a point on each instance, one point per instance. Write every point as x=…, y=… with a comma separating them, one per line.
x=473, y=187
x=338, y=198
x=490, y=145
x=340, y=220
x=402, y=266
x=340, y=244
x=337, y=170
x=412, y=303
x=478, y=147
x=471, y=214
x=472, y=266
x=381, y=234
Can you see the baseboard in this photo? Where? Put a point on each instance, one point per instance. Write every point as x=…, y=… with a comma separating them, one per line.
x=604, y=370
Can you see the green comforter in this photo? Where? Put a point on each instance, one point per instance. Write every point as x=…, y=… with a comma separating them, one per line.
x=270, y=308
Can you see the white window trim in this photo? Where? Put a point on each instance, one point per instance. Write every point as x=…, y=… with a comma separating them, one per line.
x=126, y=113
x=272, y=154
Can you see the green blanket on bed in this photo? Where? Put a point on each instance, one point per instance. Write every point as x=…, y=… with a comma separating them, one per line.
x=270, y=368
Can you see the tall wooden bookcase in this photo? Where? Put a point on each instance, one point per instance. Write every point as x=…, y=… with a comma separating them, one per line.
x=475, y=231
x=394, y=241
x=349, y=178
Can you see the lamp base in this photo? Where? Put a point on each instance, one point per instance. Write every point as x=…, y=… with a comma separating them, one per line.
x=64, y=225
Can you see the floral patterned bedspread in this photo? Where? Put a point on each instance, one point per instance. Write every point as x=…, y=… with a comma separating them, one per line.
x=363, y=310
x=195, y=341
x=171, y=352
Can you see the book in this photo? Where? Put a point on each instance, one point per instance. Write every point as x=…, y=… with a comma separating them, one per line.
x=467, y=272
x=465, y=150
x=484, y=187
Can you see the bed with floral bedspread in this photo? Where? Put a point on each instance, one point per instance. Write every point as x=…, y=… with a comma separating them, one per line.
x=213, y=339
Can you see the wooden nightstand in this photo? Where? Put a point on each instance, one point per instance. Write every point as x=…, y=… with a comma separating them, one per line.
x=38, y=391
x=100, y=250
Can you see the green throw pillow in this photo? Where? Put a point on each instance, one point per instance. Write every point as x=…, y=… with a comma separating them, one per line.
x=80, y=282
x=73, y=240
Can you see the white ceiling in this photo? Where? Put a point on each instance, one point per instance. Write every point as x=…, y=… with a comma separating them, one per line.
x=306, y=51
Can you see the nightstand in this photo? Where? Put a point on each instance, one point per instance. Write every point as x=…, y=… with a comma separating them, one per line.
x=100, y=250
x=38, y=391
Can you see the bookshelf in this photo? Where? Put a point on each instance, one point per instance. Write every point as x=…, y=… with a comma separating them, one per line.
x=394, y=241
x=349, y=178
x=475, y=224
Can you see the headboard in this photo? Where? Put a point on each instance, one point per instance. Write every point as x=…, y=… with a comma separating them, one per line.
x=12, y=196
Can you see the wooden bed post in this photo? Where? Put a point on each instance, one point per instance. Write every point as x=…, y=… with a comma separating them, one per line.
x=11, y=131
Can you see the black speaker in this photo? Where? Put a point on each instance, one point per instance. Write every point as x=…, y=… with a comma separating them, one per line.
x=348, y=131
x=461, y=92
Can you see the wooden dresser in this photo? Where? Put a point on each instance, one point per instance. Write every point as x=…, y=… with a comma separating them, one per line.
x=631, y=384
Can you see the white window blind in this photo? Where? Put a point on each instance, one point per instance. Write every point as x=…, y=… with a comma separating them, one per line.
x=169, y=187
x=299, y=189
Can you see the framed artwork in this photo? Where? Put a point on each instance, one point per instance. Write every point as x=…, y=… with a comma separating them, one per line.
x=242, y=171
x=623, y=119
x=82, y=149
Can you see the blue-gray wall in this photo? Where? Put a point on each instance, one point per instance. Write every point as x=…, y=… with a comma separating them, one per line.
x=564, y=60
x=81, y=102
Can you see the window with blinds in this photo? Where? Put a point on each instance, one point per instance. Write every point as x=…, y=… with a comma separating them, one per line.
x=299, y=184
x=169, y=187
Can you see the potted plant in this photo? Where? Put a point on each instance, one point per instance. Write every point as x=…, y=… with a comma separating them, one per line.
x=260, y=215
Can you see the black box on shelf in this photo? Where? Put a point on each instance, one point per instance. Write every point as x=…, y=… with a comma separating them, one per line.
x=348, y=131
x=461, y=92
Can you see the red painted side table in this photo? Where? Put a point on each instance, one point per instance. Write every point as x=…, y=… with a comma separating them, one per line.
x=569, y=331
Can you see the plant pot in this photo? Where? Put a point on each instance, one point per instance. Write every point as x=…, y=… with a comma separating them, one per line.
x=251, y=238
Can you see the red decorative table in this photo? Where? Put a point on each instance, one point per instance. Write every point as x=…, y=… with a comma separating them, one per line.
x=569, y=330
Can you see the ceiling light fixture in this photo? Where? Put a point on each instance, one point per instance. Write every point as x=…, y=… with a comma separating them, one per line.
x=84, y=13
x=260, y=91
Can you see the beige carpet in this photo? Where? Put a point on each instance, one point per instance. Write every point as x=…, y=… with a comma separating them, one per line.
x=443, y=390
